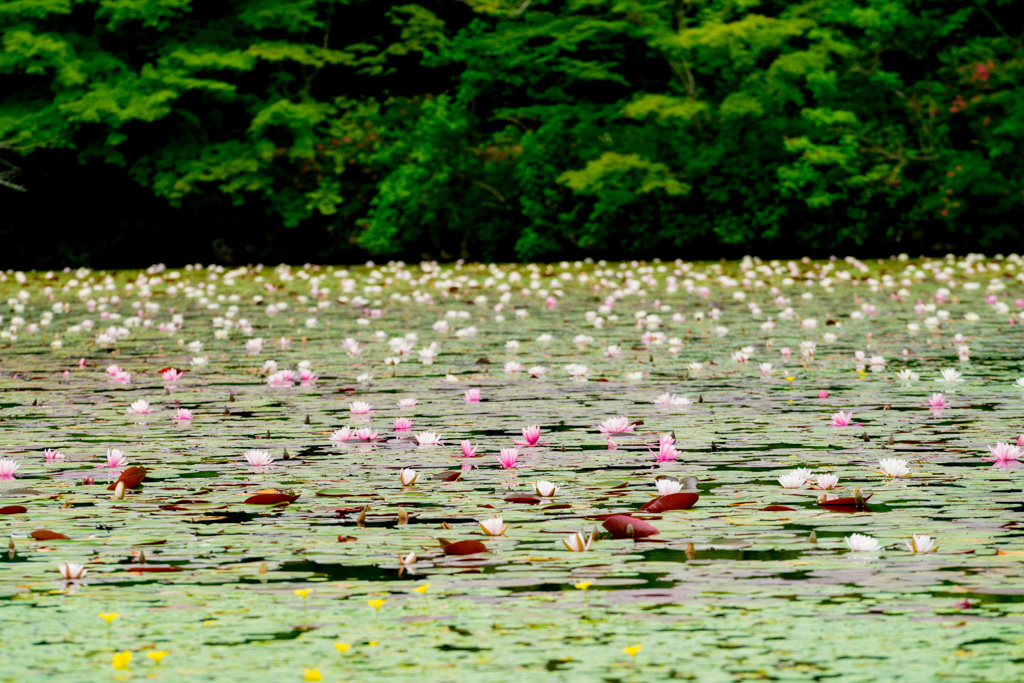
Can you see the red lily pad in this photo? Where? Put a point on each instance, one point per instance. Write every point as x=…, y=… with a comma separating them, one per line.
x=529, y=500
x=778, y=508
x=673, y=501
x=462, y=547
x=271, y=498
x=844, y=501
x=147, y=568
x=47, y=535
x=619, y=526
x=132, y=478
x=13, y=509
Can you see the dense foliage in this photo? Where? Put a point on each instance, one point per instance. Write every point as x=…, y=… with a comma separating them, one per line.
x=501, y=129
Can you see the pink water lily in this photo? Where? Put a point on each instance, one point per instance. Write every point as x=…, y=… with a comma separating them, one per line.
x=822, y=393
x=937, y=401
x=531, y=436
x=182, y=415
x=1004, y=452
x=115, y=459
x=172, y=375
x=365, y=434
x=7, y=469
x=471, y=396
x=402, y=424
x=342, y=435
x=360, y=408
x=468, y=449
x=509, y=458
x=52, y=455
x=841, y=419
x=666, y=449
x=616, y=425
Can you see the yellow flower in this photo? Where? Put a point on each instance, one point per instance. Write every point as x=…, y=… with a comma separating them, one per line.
x=302, y=592
x=121, y=661
x=313, y=675
x=342, y=647
x=862, y=373
x=790, y=379
x=109, y=617
x=372, y=643
x=377, y=603
x=583, y=585
x=157, y=655
x=422, y=590
x=632, y=650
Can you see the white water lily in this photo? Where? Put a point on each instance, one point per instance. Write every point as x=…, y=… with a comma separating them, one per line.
x=792, y=480
x=409, y=476
x=140, y=407
x=71, y=570
x=577, y=371
x=667, y=486
x=951, y=375
x=577, y=542
x=907, y=375
x=341, y=435
x=407, y=559
x=258, y=458
x=1020, y=382
x=827, y=481
x=921, y=543
x=428, y=439
x=544, y=488
x=894, y=467
x=859, y=543
x=493, y=526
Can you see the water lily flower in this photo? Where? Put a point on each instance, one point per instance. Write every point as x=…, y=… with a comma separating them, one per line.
x=826, y=481
x=577, y=542
x=493, y=526
x=428, y=439
x=182, y=415
x=792, y=480
x=859, y=543
x=360, y=408
x=537, y=371
x=284, y=378
x=71, y=571
x=1004, y=452
x=577, y=371
x=667, y=486
x=1020, y=382
x=199, y=361
x=258, y=458
x=841, y=419
x=531, y=436
x=951, y=375
x=513, y=367
x=402, y=424
x=766, y=368
x=894, y=467
x=822, y=393
x=172, y=375
x=407, y=559
x=407, y=403
x=471, y=396
x=509, y=458
x=907, y=375
x=467, y=448
x=667, y=399
x=52, y=455
x=544, y=488
x=937, y=401
x=666, y=449
x=140, y=407
x=616, y=425
x=339, y=436
x=409, y=476
x=365, y=434
x=115, y=459
x=921, y=543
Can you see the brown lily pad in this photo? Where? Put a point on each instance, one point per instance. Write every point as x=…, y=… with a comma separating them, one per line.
x=673, y=501
x=47, y=535
x=131, y=478
x=624, y=526
x=462, y=547
x=13, y=510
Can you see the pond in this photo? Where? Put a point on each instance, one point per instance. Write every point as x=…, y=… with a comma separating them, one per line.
x=296, y=498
